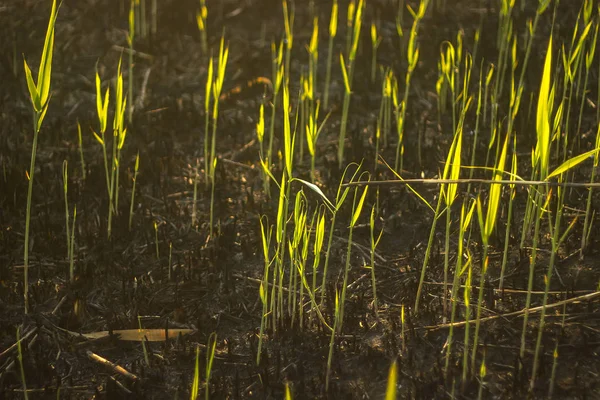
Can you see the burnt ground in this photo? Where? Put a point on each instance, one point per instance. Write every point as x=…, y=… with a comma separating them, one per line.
x=214, y=283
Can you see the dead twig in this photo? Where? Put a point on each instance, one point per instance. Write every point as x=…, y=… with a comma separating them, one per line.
x=585, y=297
x=110, y=365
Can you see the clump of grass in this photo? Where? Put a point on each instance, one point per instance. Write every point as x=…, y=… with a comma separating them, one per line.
x=39, y=93
x=119, y=135
x=448, y=195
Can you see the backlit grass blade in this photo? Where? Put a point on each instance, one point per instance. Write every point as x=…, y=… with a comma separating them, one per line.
x=543, y=116
x=573, y=162
x=45, y=71
x=318, y=191
x=390, y=391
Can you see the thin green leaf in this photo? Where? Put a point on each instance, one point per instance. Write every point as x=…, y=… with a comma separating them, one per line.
x=572, y=162
x=33, y=92
x=345, y=74
x=543, y=115
x=98, y=138
x=318, y=191
x=359, y=207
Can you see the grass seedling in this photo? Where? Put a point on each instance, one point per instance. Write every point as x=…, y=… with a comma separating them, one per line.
x=144, y=347
x=102, y=113
x=288, y=392
x=217, y=86
x=65, y=176
x=412, y=58
x=389, y=92
x=349, y=24
x=283, y=206
x=557, y=238
x=318, y=246
x=467, y=299
x=448, y=194
x=390, y=391
x=345, y=107
x=210, y=356
x=207, y=97
x=277, y=70
x=356, y=211
x=301, y=267
x=589, y=57
x=332, y=34
x=196, y=381
x=72, y=248
x=170, y=259
x=70, y=230
x=135, y=174
x=403, y=328
x=553, y=373
x=313, y=130
x=588, y=209
x=212, y=197
x=375, y=42
x=340, y=197
x=374, y=243
x=80, y=146
x=540, y=161
x=260, y=136
x=266, y=243
x=487, y=228
x=336, y=320
x=201, y=16
x=511, y=197
x=300, y=214
x=482, y=374
x=119, y=134
x=313, y=58
x=39, y=93
x=288, y=23
x=156, y=240
x=130, y=37
x=348, y=73
x=465, y=223
x=21, y=366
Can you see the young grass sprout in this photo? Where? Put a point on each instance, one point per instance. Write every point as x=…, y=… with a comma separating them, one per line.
x=39, y=93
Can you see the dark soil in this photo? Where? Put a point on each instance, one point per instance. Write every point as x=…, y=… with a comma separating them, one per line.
x=214, y=282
